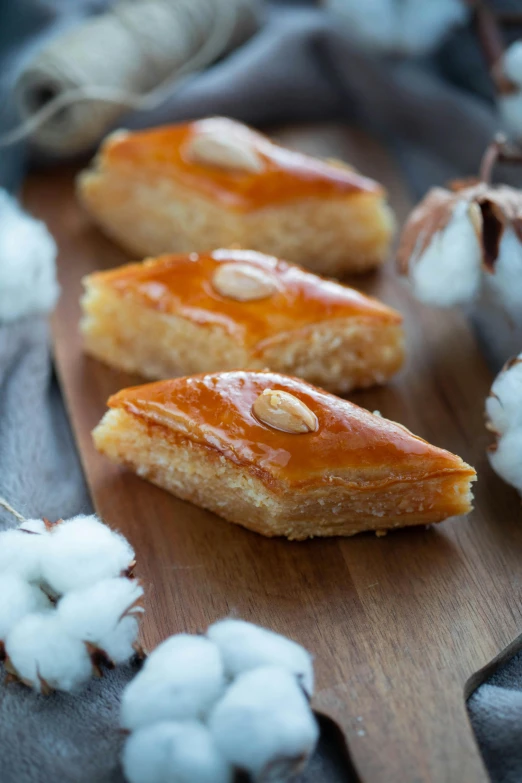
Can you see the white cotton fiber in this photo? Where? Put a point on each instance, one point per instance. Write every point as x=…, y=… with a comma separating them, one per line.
x=504, y=417
x=82, y=551
x=245, y=646
x=21, y=553
x=27, y=263
x=262, y=720
x=174, y=753
x=18, y=598
x=180, y=680
x=506, y=460
x=41, y=652
x=96, y=615
x=510, y=109
x=504, y=405
x=506, y=281
x=512, y=62
x=119, y=644
x=449, y=271
x=33, y=526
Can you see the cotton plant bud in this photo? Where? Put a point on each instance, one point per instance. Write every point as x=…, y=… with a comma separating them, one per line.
x=512, y=63
x=503, y=406
x=19, y=598
x=41, y=654
x=82, y=551
x=510, y=109
x=21, y=552
x=457, y=241
x=237, y=696
x=181, y=680
x=508, y=76
x=506, y=458
x=245, y=646
x=172, y=752
x=504, y=418
x=506, y=282
x=27, y=263
x=264, y=724
x=105, y=616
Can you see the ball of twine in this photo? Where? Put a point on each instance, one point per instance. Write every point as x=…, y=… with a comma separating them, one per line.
x=128, y=58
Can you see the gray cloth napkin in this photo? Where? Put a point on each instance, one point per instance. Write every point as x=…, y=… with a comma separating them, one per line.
x=39, y=469
x=298, y=67
x=495, y=710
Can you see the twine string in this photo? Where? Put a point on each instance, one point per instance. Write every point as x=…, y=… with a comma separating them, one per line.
x=8, y=507
x=212, y=46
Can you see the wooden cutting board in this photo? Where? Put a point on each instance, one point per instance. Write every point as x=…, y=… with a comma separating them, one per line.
x=399, y=625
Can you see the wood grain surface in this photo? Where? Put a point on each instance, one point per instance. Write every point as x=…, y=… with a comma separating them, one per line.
x=399, y=625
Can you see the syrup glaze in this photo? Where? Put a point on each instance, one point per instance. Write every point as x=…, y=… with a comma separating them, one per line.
x=215, y=410
x=182, y=285
x=286, y=175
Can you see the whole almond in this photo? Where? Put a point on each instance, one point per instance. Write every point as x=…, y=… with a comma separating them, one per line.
x=282, y=411
x=243, y=282
x=224, y=151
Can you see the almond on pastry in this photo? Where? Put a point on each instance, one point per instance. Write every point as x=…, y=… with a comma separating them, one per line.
x=215, y=182
x=183, y=314
x=327, y=467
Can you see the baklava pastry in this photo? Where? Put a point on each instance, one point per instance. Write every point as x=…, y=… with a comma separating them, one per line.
x=280, y=456
x=216, y=182
x=183, y=314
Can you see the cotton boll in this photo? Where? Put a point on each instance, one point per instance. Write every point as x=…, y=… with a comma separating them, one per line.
x=449, y=271
x=264, y=720
x=506, y=279
x=174, y=753
x=510, y=103
x=18, y=599
x=179, y=650
x=504, y=417
x=512, y=62
x=503, y=406
x=246, y=646
x=21, y=553
x=96, y=615
x=44, y=655
x=506, y=460
x=510, y=109
x=180, y=680
x=82, y=551
x=27, y=263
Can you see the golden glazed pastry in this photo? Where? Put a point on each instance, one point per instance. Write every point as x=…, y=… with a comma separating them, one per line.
x=281, y=457
x=215, y=183
x=183, y=314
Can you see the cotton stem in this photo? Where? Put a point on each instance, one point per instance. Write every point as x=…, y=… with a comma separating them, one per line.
x=499, y=151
